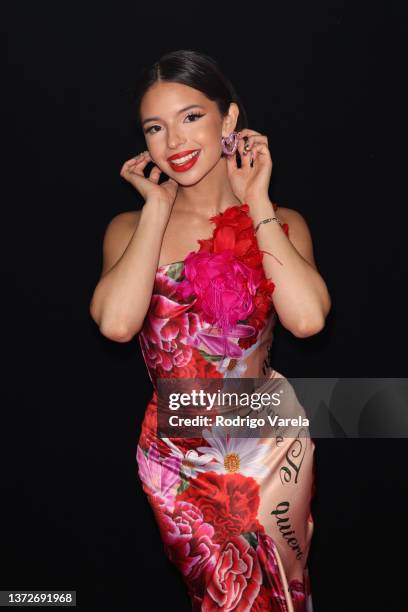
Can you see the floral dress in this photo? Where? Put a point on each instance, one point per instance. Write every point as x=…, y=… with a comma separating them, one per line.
x=234, y=513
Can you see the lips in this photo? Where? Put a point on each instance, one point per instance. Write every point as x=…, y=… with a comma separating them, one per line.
x=188, y=164
x=182, y=154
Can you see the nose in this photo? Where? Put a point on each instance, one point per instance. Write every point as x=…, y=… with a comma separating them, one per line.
x=174, y=139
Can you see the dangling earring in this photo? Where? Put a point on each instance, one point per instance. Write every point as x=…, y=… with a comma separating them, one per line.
x=227, y=141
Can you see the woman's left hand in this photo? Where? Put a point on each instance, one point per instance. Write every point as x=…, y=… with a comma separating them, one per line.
x=251, y=183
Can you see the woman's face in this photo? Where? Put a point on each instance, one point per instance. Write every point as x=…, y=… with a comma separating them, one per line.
x=170, y=128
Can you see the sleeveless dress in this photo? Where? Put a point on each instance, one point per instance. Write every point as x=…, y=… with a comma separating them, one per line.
x=234, y=514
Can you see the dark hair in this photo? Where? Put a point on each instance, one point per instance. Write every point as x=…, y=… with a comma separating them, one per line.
x=197, y=70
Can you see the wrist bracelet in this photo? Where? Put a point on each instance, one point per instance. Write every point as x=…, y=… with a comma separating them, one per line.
x=267, y=221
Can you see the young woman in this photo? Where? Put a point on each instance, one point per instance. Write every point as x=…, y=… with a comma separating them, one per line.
x=201, y=274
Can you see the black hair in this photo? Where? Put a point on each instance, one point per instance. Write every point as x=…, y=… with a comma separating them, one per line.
x=197, y=70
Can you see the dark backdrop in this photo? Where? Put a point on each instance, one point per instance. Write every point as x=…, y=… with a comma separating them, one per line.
x=323, y=80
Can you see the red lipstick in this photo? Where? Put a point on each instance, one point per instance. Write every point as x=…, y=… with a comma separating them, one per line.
x=188, y=164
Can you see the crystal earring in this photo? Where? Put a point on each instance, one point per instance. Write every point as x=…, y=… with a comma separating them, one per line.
x=230, y=143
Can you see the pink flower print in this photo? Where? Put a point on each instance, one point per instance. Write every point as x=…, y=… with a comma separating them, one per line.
x=160, y=479
x=167, y=327
x=188, y=542
x=236, y=580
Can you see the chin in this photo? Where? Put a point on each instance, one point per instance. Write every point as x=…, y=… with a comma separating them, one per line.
x=188, y=181
x=193, y=176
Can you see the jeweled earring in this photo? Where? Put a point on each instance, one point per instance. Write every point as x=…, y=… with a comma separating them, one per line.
x=230, y=143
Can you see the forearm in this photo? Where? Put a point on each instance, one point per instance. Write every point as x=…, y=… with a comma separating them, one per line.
x=300, y=297
x=122, y=296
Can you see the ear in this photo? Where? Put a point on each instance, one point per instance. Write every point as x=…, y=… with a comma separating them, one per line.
x=230, y=120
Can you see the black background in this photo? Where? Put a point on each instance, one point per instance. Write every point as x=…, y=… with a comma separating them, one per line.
x=324, y=81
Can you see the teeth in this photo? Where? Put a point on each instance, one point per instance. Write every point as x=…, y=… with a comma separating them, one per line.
x=182, y=160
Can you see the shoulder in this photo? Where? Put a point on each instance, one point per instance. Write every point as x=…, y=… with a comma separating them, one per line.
x=299, y=232
x=118, y=234
x=123, y=221
x=292, y=217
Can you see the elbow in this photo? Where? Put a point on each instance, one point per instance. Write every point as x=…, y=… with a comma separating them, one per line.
x=112, y=327
x=94, y=313
x=308, y=328
x=118, y=332
x=314, y=324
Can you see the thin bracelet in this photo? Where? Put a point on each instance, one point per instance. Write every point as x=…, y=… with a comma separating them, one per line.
x=267, y=221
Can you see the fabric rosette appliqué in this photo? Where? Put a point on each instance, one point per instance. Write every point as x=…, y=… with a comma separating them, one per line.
x=226, y=279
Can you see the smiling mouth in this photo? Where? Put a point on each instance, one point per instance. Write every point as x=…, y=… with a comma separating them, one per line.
x=183, y=160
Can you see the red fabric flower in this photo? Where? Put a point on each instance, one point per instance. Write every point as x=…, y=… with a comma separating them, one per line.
x=235, y=230
x=229, y=502
x=188, y=541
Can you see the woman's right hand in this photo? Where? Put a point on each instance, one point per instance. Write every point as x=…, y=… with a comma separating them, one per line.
x=148, y=187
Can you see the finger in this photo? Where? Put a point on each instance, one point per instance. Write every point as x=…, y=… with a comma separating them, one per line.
x=250, y=144
x=139, y=161
x=129, y=166
x=155, y=174
x=248, y=132
x=242, y=152
x=170, y=181
x=259, y=149
x=132, y=164
x=137, y=169
x=255, y=139
x=138, y=158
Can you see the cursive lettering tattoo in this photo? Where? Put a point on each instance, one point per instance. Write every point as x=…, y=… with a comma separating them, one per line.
x=296, y=451
x=285, y=527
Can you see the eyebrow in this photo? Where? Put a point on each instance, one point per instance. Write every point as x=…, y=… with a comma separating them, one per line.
x=178, y=113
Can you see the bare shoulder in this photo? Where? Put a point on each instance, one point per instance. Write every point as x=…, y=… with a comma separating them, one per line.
x=290, y=216
x=117, y=237
x=124, y=220
x=299, y=232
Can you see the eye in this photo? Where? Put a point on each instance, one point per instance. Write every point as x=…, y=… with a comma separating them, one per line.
x=195, y=115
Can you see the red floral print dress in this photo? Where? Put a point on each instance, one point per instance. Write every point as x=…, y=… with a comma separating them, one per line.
x=234, y=513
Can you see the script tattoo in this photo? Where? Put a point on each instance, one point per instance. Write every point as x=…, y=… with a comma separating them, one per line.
x=286, y=529
x=296, y=451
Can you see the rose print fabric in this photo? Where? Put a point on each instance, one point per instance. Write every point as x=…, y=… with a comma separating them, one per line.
x=234, y=513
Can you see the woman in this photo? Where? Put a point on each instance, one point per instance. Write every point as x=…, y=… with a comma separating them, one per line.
x=234, y=514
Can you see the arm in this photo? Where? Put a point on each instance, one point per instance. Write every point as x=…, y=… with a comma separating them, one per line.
x=131, y=251
x=300, y=297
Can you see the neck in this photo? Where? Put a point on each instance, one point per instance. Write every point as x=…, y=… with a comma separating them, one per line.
x=209, y=196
